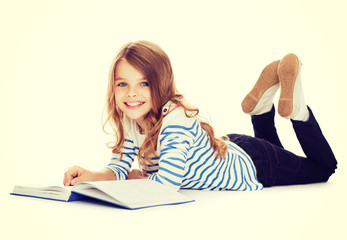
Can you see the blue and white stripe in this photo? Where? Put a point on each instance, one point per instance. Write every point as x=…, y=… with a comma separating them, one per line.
x=121, y=167
x=187, y=159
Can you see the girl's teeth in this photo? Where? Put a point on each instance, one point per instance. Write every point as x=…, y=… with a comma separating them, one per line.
x=133, y=104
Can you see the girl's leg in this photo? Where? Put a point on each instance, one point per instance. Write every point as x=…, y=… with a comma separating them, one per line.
x=264, y=127
x=313, y=143
x=275, y=165
x=320, y=162
x=286, y=168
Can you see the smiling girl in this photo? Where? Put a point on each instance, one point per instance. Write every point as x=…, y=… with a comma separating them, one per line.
x=154, y=124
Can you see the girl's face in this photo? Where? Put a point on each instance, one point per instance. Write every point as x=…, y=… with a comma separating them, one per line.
x=132, y=92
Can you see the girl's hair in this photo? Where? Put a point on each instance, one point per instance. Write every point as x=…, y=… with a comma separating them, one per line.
x=155, y=65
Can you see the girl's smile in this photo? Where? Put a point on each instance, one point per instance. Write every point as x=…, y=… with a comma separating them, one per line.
x=132, y=92
x=133, y=105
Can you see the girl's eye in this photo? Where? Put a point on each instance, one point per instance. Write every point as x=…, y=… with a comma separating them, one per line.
x=144, y=84
x=122, y=84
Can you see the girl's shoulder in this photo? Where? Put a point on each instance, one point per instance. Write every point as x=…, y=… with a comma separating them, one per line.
x=177, y=115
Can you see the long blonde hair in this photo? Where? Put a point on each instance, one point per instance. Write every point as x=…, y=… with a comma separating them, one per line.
x=155, y=65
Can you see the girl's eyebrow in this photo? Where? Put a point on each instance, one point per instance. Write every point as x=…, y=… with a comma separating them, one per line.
x=120, y=78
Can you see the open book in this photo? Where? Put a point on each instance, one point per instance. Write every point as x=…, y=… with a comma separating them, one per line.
x=131, y=194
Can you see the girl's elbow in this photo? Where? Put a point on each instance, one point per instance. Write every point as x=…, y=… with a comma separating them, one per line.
x=170, y=184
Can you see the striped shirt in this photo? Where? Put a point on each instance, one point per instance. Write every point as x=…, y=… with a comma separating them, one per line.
x=186, y=158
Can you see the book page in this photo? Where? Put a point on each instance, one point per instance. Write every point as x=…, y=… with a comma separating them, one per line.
x=136, y=193
x=49, y=192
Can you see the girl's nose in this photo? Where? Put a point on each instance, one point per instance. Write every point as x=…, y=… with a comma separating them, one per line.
x=132, y=93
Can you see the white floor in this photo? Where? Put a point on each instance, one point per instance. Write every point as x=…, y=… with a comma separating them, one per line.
x=55, y=57
x=299, y=212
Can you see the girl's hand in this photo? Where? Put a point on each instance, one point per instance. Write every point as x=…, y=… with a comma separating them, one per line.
x=77, y=174
x=136, y=174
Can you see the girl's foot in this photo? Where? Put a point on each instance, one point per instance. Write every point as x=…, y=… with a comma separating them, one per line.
x=260, y=99
x=291, y=103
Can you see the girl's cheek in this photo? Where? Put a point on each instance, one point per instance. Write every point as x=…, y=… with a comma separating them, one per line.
x=145, y=91
x=118, y=93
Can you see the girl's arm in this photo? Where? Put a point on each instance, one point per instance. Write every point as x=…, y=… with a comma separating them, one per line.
x=78, y=174
x=137, y=174
x=175, y=140
x=117, y=169
x=120, y=164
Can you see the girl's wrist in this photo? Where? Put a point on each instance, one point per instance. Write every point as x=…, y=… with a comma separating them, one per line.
x=104, y=175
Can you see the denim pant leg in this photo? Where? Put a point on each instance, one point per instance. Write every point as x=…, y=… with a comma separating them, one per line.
x=259, y=154
x=264, y=127
x=314, y=144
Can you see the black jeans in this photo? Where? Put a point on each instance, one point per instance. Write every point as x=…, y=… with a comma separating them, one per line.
x=277, y=166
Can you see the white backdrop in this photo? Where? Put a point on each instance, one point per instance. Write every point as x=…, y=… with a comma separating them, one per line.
x=55, y=58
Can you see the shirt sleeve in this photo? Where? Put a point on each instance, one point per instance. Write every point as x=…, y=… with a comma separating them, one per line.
x=121, y=167
x=175, y=140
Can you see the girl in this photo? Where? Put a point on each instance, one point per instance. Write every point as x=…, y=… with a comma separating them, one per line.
x=153, y=123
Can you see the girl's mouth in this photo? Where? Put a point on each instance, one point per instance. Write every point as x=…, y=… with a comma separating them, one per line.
x=133, y=105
